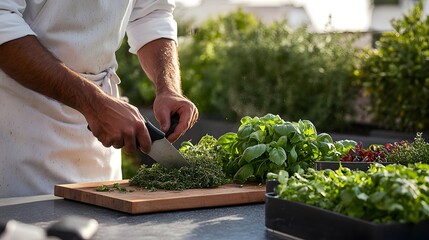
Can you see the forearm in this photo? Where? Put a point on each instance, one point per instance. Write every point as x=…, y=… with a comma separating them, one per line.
x=34, y=67
x=159, y=59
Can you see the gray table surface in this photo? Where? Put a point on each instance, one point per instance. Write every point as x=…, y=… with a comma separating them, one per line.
x=233, y=222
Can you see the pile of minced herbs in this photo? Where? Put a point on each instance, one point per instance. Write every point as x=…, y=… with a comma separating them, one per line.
x=204, y=169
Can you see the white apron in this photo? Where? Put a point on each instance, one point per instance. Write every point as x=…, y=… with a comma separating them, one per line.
x=44, y=142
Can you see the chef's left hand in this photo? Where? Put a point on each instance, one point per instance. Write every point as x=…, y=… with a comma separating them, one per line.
x=165, y=105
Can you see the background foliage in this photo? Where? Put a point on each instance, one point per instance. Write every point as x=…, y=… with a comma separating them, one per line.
x=237, y=66
x=234, y=65
x=395, y=74
x=134, y=83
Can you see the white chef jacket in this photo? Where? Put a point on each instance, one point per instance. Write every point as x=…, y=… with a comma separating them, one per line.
x=42, y=141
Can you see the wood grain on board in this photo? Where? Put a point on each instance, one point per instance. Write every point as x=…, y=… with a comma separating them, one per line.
x=143, y=201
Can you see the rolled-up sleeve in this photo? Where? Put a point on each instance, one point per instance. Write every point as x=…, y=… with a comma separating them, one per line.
x=151, y=20
x=12, y=23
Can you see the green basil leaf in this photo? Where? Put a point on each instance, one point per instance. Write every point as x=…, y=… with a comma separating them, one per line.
x=278, y=155
x=324, y=137
x=307, y=128
x=262, y=169
x=270, y=117
x=244, y=173
x=227, y=139
x=286, y=129
x=282, y=142
x=245, y=120
x=326, y=147
x=293, y=156
x=259, y=136
x=297, y=138
x=254, y=152
x=244, y=131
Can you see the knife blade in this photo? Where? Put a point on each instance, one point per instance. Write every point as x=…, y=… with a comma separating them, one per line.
x=162, y=151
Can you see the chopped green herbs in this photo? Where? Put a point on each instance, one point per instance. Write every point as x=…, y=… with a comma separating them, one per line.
x=115, y=187
x=104, y=188
x=204, y=170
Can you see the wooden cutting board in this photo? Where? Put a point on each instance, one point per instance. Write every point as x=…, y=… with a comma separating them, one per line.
x=143, y=201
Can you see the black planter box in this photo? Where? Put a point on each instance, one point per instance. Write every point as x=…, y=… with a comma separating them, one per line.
x=303, y=221
x=334, y=165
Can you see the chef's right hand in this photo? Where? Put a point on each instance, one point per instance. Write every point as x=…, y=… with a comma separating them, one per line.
x=119, y=124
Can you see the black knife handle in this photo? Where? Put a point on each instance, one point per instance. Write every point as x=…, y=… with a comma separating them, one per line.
x=156, y=134
x=173, y=124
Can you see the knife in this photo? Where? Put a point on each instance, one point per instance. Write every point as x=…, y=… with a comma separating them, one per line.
x=162, y=151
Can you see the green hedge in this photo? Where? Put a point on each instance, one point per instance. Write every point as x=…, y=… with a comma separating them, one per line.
x=395, y=74
x=134, y=83
x=237, y=66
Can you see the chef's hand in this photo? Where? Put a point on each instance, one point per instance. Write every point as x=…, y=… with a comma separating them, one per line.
x=165, y=105
x=119, y=124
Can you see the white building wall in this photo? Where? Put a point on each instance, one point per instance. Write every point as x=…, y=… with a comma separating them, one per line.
x=320, y=15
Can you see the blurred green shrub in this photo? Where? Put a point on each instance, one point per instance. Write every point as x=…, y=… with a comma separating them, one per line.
x=395, y=74
x=134, y=83
x=202, y=57
x=129, y=165
x=235, y=66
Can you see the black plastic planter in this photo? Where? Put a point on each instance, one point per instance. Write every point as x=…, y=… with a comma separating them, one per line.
x=304, y=221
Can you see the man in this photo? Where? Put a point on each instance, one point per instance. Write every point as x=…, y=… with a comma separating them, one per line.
x=57, y=61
